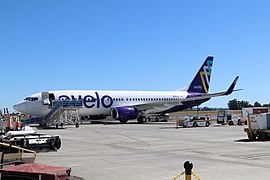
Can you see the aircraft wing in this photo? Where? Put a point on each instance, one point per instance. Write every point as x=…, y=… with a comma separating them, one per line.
x=192, y=97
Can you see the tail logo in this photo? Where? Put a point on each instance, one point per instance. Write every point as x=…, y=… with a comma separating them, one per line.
x=205, y=74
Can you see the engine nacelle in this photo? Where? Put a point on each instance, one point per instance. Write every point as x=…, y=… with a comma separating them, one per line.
x=124, y=113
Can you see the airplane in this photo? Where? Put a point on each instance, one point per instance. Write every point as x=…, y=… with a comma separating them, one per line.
x=128, y=105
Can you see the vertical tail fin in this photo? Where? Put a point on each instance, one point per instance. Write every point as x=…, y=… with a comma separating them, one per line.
x=200, y=83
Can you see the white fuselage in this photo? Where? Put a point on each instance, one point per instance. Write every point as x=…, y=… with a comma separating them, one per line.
x=125, y=105
x=101, y=102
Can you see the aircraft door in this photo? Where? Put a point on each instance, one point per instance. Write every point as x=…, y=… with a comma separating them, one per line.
x=45, y=98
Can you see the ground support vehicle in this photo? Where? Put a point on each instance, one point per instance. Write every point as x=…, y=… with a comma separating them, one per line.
x=159, y=118
x=36, y=172
x=31, y=139
x=228, y=117
x=196, y=121
x=252, y=111
x=13, y=155
x=258, y=126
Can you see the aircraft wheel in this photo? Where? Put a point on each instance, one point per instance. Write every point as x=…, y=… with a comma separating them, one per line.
x=141, y=119
x=144, y=119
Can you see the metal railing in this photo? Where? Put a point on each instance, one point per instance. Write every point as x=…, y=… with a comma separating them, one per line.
x=58, y=107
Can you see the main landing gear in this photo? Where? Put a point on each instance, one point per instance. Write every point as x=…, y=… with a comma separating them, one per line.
x=141, y=119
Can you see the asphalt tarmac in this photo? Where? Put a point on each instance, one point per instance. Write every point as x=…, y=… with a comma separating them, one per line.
x=158, y=151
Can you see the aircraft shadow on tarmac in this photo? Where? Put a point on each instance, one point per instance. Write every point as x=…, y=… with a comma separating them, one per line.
x=109, y=123
x=248, y=140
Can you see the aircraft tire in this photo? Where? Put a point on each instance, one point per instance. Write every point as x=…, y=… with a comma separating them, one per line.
x=144, y=119
x=141, y=119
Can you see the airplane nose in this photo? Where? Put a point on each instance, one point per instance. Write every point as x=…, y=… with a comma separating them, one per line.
x=18, y=107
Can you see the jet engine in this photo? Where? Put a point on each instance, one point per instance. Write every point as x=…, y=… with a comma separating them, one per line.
x=124, y=113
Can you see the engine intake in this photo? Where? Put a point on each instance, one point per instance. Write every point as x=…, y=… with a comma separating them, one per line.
x=124, y=113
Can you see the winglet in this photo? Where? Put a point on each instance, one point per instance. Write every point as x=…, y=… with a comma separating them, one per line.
x=231, y=88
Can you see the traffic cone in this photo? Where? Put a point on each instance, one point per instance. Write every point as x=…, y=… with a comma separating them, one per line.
x=17, y=125
x=9, y=123
x=241, y=122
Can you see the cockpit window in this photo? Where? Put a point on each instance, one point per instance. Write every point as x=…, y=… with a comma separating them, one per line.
x=31, y=99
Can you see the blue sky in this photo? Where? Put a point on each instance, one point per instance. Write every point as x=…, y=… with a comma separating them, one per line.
x=133, y=45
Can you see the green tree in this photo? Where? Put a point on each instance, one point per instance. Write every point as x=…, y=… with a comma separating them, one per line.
x=266, y=105
x=257, y=104
x=243, y=104
x=233, y=104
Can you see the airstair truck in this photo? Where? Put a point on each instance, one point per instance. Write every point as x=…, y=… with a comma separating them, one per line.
x=258, y=126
